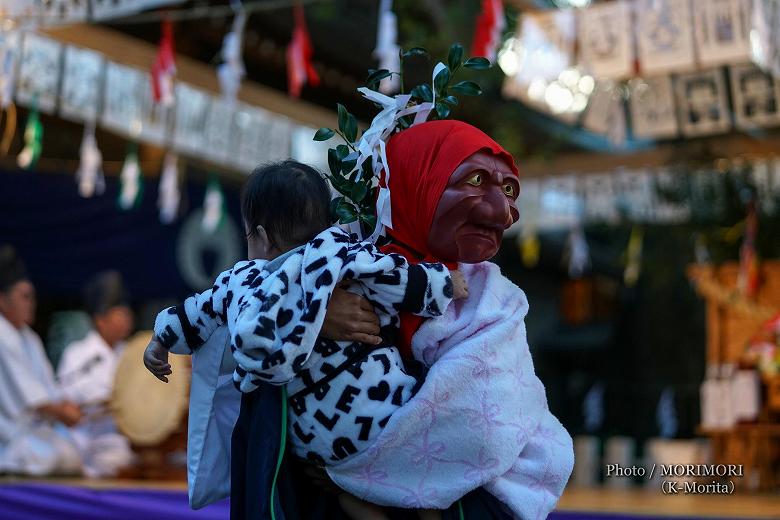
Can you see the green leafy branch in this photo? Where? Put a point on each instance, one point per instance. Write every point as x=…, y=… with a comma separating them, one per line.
x=357, y=186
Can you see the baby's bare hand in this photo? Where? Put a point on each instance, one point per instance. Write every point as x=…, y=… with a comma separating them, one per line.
x=156, y=360
x=460, y=289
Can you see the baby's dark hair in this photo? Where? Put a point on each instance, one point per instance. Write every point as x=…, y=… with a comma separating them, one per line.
x=289, y=199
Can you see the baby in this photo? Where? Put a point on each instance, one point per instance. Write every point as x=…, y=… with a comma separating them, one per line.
x=340, y=393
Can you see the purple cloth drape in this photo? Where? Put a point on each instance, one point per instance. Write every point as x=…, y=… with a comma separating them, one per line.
x=60, y=502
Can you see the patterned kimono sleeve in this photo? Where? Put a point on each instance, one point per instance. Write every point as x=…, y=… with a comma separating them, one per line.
x=394, y=285
x=183, y=328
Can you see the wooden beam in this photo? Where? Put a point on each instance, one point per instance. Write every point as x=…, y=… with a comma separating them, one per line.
x=724, y=146
x=130, y=51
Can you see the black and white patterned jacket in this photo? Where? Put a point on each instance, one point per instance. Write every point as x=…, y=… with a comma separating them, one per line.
x=341, y=393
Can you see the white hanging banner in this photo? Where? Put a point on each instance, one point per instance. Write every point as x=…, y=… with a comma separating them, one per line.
x=123, y=101
x=232, y=70
x=219, y=125
x=192, y=110
x=10, y=50
x=606, y=40
x=755, y=95
x=664, y=32
x=154, y=117
x=82, y=83
x=169, y=194
x=89, y=175
x=277, y=143
x=653, y=111
x=765, y=30
x=708, y=193
x=106, y=9
x=249, y=122
x=546, y=41
x=39, y=73
x=606, y=114
x=703, y=103
x=671, y=205
x=722, y=29
x=387, y=49
x=636, y=194
x=33, y=13
x=560, y=204
x=600, y=196
x=761, y=176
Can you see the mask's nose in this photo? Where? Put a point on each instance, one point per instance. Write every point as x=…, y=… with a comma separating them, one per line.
x=494, y=209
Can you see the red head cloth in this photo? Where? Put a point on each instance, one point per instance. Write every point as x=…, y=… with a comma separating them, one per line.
x=421, y=160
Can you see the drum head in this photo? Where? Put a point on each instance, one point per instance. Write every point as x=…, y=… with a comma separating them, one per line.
x=147, y=410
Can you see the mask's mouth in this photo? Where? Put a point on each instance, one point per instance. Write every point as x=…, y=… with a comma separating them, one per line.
x=481, y=233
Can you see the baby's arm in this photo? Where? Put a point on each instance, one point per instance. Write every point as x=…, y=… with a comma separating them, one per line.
x=183, y=328
x=394, y=285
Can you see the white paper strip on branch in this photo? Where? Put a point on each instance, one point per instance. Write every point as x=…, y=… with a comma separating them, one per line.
x=82, y=83
x=636, y=194
x=192, y=110
x=722, y=29
x=545, y=44
x=755, y=95
x=600, y=197
x=219, y=125
x=671, y=201
x=606, y=113
x=702, y=103
x=605, y=38
x=123, y=99
x=560, y=204
x=664, y=31
x=39, y=73
x=10, y=50
x=653, y=112
x=106, y=9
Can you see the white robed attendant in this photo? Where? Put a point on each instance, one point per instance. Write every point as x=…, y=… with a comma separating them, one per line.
x=87, y=370
x=31, y=440
x=86, y=376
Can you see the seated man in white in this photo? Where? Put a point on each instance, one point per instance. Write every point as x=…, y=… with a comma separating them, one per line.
x=87, y=369
x=35, y=437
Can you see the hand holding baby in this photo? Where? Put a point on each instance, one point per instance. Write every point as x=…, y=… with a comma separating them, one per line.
x=460, y=288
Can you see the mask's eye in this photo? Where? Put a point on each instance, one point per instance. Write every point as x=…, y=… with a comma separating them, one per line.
x=475, y=180
x=509, y=190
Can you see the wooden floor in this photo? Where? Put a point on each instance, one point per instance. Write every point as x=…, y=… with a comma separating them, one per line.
x=651, y=502
x=637, y=502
